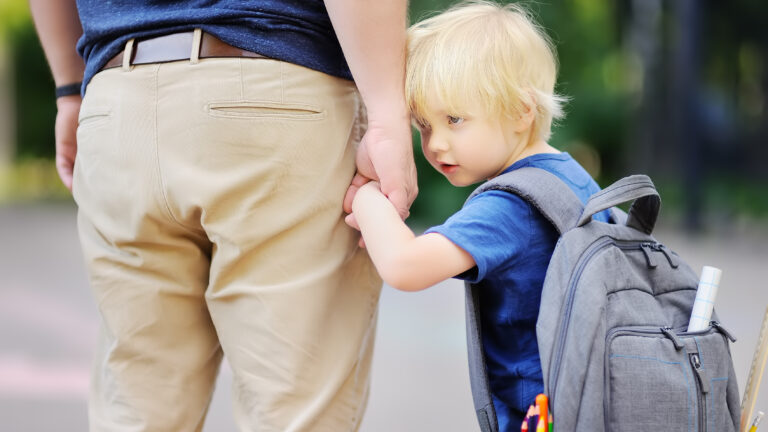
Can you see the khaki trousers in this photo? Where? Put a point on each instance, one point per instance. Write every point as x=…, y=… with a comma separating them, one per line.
x=210, y=219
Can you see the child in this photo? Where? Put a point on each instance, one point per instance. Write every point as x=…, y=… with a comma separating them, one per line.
x=480, y=85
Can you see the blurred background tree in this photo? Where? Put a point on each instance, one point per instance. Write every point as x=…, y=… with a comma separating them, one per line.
x=27, y=111
x=672, y=88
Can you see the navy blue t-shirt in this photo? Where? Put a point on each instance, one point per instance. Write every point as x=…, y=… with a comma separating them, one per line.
x=296, y=31
x=512, y=244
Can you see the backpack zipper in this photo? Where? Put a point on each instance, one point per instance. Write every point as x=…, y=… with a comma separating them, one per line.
x=644, y=246
x=648, y=247
x=702, y=385
x=726, y=333
x=702, y=388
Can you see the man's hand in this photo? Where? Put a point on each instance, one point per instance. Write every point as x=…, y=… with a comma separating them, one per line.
x=66, y=136
x=385, y=154
x=372, y=36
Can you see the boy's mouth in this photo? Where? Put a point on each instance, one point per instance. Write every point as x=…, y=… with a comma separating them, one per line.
x=448, y=168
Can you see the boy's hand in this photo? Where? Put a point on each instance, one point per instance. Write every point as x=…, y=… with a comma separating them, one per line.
x=368, y=187
x=66, y=136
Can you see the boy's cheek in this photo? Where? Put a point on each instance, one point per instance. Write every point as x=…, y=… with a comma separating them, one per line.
x=424, y=142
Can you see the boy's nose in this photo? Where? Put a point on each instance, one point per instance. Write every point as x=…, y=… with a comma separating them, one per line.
x=436, y=145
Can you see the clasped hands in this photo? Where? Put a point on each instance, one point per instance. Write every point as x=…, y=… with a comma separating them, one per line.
x=385, y=156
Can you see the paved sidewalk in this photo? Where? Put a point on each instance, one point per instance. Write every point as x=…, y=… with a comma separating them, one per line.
x=48, y=327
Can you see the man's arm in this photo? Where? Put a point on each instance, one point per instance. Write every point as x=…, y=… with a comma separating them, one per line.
x=372, y=36
x=58, y=27
x=404, y=261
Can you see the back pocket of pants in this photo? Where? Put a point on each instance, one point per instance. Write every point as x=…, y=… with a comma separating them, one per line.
x=92, y=116
x=264, y=110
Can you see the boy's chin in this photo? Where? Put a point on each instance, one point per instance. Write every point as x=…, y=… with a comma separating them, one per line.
x=458, y=182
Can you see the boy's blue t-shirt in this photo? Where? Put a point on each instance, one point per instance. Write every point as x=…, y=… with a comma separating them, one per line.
x=512, y=243
x=295, y=31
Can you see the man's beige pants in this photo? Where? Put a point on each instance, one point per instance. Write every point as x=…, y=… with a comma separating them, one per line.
x=210, y=217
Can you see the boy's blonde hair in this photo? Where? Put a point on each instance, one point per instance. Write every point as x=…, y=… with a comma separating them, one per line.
x=479, y=51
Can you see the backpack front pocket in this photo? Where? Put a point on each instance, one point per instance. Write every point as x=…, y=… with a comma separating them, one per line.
x=647, y=385
x=657, y=379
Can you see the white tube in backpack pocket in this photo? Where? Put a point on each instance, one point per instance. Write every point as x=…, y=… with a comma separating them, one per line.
x=705, y=299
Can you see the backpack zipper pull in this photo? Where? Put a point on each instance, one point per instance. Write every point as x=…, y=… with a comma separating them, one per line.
x=673, y=337
x=667, y=253
x=721, y=329
x=648, y=252
x=696, y=363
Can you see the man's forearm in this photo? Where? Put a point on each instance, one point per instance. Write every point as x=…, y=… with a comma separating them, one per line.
x=58, y=27
x=372, y=36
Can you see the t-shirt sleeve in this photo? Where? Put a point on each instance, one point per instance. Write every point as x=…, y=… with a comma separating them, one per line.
x=493, y=227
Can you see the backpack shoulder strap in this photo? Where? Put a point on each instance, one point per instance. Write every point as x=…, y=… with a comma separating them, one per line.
x=543, y=190
x=557, y=202
x=478, y=370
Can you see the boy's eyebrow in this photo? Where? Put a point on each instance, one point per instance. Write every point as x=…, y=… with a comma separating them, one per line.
x=455, y=113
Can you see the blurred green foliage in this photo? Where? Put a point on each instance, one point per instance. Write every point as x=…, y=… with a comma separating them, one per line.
x=34, y=97
x=14, y=14
x=31, y=179
x=33, y=86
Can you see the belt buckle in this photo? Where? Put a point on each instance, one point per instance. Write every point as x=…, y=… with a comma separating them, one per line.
x=166, y=48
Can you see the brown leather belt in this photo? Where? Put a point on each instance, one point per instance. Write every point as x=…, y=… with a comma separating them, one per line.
x=178, y=46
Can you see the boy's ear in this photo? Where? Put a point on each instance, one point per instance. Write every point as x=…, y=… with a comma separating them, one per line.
x=524, y=119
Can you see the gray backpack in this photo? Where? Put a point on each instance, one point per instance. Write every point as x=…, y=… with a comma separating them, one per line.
x=612, y=324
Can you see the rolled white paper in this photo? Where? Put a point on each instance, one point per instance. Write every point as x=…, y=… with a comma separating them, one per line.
x=701, y=314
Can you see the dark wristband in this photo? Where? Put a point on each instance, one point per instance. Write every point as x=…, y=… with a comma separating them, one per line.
x=68, y=90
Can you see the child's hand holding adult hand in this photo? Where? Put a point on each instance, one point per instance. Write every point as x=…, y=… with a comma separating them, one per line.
x=362, y=193
x=385, y=154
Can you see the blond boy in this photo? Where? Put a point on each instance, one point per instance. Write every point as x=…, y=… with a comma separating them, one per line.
x=480, y=86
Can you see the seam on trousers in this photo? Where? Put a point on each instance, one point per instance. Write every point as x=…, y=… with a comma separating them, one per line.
x=282, y=84
x=156, y=97
x=242, y=79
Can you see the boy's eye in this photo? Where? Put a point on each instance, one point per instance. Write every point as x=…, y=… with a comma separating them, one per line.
x=455, y=120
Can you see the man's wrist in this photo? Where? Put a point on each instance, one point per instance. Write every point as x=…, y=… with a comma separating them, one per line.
x=391, y=120
x=387, y=108
x=73, y=101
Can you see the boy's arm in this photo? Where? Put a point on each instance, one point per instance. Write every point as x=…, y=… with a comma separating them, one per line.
x=405, y=261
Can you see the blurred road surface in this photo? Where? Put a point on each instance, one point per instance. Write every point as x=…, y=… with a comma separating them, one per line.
x=48, y=325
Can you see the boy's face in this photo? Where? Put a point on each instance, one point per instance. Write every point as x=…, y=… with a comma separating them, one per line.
x=472, y=146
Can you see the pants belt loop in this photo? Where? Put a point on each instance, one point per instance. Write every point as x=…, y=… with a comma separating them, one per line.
x=194, y=56
x=127, y=55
